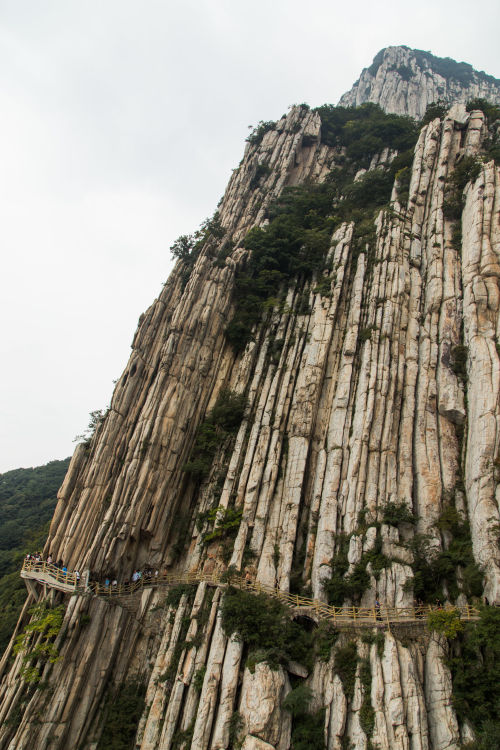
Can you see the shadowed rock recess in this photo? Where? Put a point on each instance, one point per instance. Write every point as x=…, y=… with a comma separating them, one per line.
x=314, y=402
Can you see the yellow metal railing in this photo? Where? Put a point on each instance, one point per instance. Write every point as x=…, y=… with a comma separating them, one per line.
x=360, y=616
x=55, y=573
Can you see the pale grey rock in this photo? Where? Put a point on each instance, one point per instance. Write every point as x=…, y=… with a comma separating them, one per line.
x=443, y=725
x=255, y=743
x=481, y=275
x=262, y=694
x=209, y=692
x=229, y=686
x=403, y=81
x=336, y=715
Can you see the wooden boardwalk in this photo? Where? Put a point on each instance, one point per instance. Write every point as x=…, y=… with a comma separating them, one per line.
x=342, y=617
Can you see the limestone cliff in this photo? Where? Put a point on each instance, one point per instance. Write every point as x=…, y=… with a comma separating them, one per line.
x=405, y=81
x=364, y=444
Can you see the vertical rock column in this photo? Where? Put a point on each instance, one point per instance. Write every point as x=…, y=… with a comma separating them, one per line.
x=481, y=275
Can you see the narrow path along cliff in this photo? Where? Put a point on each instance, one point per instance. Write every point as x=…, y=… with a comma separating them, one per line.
x=50, y=576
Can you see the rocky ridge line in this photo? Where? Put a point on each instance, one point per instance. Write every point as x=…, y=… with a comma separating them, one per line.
x=405, y=81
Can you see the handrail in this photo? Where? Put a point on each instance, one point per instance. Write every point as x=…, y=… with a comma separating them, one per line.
x=65, y=577
x=362, y=616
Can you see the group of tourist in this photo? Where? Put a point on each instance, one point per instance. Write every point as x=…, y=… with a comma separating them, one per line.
x=38, y=558
x=148, y=574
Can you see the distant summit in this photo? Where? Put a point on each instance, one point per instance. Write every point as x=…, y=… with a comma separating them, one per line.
x=405, y=81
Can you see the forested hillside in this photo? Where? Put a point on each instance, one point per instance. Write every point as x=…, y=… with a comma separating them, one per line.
x=27, y=502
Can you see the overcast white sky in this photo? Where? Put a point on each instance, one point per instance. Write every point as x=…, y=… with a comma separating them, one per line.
x=120, y=122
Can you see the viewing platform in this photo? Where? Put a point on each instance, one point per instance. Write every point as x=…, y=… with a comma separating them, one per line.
x=342, y=617
x=50, y=575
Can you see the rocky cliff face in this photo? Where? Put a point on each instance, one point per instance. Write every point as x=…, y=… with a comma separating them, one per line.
x=405, y=81
x=368, y=445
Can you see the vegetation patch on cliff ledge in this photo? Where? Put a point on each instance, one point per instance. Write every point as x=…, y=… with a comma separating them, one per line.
x=307, y=727
x=36, y=642
x=265, y=627
x=461, y=72
x=365, y=131
x=219, y=424
x=294, y=244
x=27, y=502
x=474, y=661
x=122, y=713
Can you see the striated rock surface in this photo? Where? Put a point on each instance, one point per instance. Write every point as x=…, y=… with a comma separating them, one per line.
x=405, y=81
x=371, y=414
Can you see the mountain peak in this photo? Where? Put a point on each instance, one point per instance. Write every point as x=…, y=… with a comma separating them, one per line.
x=405, y=81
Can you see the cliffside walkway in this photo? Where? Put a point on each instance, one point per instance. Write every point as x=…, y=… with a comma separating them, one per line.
x=53, y=577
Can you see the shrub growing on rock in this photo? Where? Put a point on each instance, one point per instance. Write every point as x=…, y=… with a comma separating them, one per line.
x=220, y=423
x=122, y=713
x=492, y=111
x=396, y=513
x=264, y=625
x=475, y=668
x=445, y=621
x=36, y=642
x=365, y=130
x=307, y=728
x=434, y=110
x=346, y=661
x=259, y=132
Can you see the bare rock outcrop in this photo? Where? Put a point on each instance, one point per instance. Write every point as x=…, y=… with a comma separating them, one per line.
x=405, y=81
x=359, y=438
